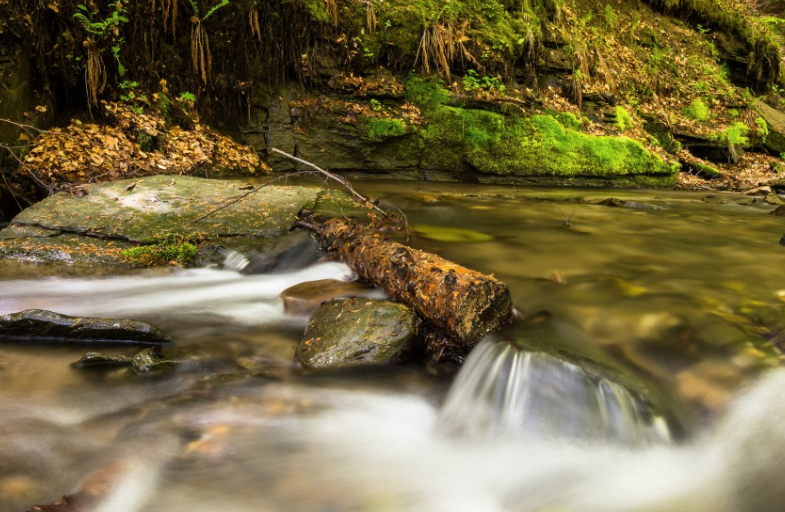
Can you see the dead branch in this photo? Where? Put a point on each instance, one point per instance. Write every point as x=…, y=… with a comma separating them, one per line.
x=359, y=198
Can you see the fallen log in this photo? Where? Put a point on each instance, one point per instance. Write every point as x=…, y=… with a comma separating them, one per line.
x=464, y=304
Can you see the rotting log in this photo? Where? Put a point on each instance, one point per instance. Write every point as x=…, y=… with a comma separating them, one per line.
x=462, y=303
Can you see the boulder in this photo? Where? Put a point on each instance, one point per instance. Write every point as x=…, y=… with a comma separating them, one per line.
x=105, y=220
x=354, y=331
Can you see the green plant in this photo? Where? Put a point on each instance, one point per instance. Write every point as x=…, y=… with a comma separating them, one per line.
x=101, y=27
x=735, y=137
x=108, y=27
x=611, y=18
x=697, y=111
x=187, y=97
x=473, y=82
x=101, y=33
x=761, y=128
x=129, y=91
x=376, y=105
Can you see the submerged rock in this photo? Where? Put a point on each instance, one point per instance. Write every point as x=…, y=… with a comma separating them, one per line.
x=41, y=326
x=159, y=360
x=349, y=332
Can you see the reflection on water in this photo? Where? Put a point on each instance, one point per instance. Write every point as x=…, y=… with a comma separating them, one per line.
x=676, y=306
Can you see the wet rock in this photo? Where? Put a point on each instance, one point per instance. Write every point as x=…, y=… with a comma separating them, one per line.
x=349, y=332
x=160, y=360
x=758, y=191
x=305, y=298
x=114, y=217
x=41, y=326
x=99, y=360
x=152, y=361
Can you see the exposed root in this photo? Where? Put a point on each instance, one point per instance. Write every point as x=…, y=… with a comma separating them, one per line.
x=95, y=73
x=201, y=57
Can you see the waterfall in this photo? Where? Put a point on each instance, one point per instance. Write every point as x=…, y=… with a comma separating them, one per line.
x=503, y=390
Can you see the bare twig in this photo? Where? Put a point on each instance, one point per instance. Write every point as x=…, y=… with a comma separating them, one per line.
x=359, y=198
x=240, y=198
x=25, y=127
x=364, y=201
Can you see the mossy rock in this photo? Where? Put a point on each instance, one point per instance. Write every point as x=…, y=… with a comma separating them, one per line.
x=156, y=220
x=518, y=146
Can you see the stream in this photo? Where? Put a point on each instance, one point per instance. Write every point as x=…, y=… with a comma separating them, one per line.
x=644, y=377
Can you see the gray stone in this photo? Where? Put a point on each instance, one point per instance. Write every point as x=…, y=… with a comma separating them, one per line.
x=350, y=332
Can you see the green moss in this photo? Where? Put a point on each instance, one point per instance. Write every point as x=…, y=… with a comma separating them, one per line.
x=512, y=145
x=623, y=119
x=568, y=120
x=735, y=134
x=697, y=111
x=166, y=250
x=761, y=128
x=381, y=128
x=427, y=93
x=705, y=171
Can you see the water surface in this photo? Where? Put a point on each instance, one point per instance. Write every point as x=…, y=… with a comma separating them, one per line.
x=675, y=300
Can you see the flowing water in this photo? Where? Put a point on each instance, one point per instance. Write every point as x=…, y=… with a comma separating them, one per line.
x=633, y=384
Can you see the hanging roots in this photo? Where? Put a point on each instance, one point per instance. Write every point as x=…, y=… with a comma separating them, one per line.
x=169, y=9
x=200, y=50
x=331, y=6
x=440, y=45
x=370, y=15
x=95, y=74
x=253, y=21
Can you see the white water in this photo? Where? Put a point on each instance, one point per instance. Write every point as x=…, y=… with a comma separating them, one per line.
x=381, y=452
x=503, y=391
x=236, y=297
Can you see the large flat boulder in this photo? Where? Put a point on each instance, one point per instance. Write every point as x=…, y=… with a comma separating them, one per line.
x=112, y=217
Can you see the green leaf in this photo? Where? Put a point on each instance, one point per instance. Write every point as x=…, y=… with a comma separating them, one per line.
x=120, y=69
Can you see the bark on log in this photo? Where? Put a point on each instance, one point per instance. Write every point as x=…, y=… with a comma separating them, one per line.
x=464, y=304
